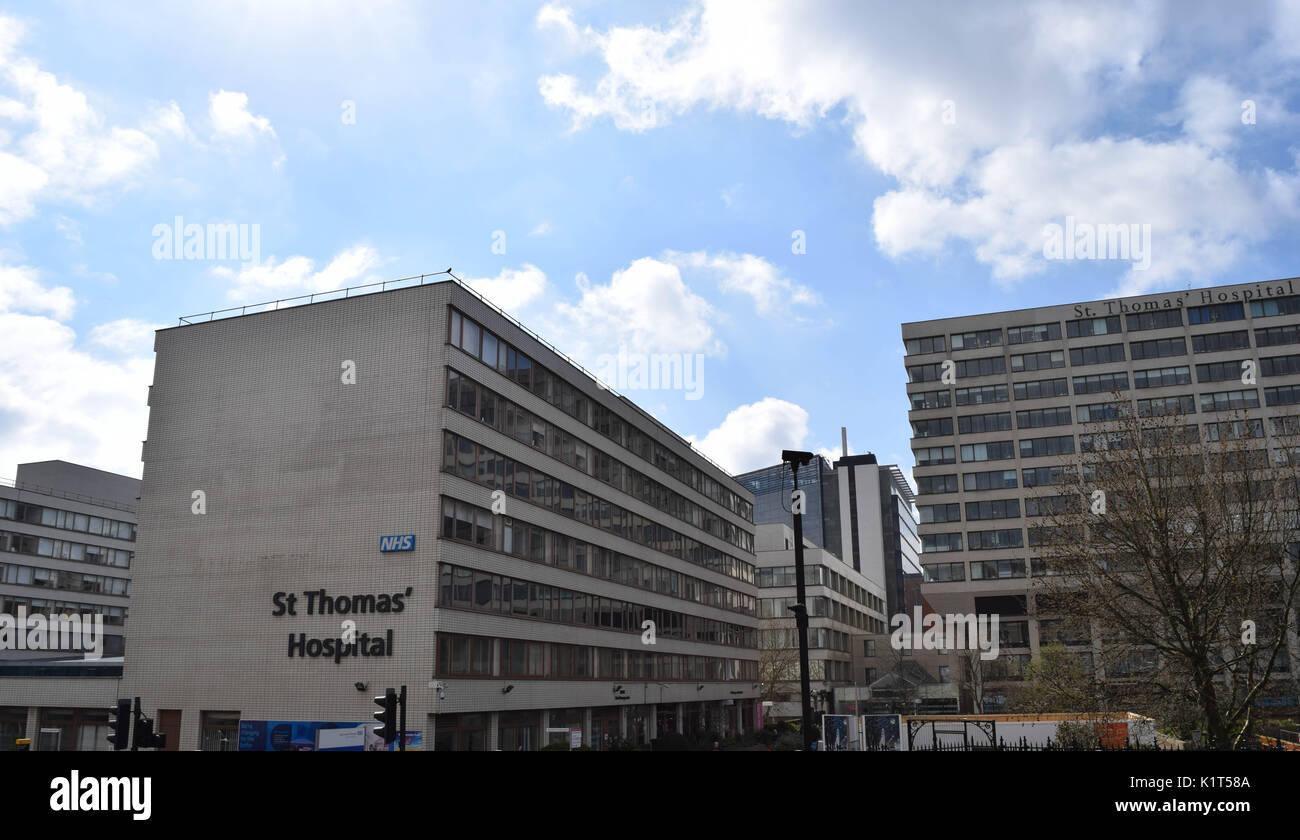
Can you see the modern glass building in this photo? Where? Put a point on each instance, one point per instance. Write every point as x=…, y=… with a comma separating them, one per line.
x=772, y=486
x=1028, y=386
x=408, y=488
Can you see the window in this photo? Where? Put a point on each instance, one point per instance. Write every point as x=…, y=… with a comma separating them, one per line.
x=1050, y=505
x=975, y=423
x=1160, y=407
x=994, y=509
x=943, y=572
x=1155, y=320
x=924, y=373
x=931, y=399
x=921, y=346
x=940, y=542
x=1286, y=395
x=1103, y=383
x=1215, y=313
x=1039, y=447
x=1160, y=377
x=935, y=455
x=1041, y=388
x=1220, y=372
x=994, y=480
x=1038, y=332
x=987, y=366
x=1274, y=336
x=982, y=396
x=1092, y=326
x=989, y=540
x=1158, y=348
x=1099, y=412
x=1038, y=361
x=1101, y=354
x=1279, y=365
x=1040, y=417
x=973, y=340
x=929, y=484
x=997, y=570
x=1216, y=342
x=932, y=428
x=1277, y=306
x=995, y=451
x=939, y=513
x=1228, y=400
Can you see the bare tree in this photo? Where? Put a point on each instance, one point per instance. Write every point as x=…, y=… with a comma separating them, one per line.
x=778, y=661
x=1177, y=546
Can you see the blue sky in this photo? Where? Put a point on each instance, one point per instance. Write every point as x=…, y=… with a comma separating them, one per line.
x=645, y=173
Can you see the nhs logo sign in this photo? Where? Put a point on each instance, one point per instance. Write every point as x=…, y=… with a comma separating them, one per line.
x=400, y=542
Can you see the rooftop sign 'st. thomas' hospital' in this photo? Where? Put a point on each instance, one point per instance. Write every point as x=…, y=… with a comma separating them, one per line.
x=409, y=488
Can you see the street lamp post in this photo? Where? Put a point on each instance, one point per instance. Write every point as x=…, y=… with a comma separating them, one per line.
x=797, y=459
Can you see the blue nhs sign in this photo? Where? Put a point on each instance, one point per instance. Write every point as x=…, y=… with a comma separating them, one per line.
x=400, y=542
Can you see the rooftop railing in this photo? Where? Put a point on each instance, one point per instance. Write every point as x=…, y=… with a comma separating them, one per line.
x=65, y=494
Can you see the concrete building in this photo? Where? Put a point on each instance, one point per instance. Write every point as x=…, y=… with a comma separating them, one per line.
x=67, y=545
x=842, y=603
x=409, y=488
x=1029, y=382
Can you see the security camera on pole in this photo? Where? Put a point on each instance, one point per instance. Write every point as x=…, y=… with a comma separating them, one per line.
x=796, y=460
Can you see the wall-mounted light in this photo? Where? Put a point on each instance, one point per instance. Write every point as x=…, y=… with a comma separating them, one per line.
x=699, y=687
x=507, y=689
x=360, y=686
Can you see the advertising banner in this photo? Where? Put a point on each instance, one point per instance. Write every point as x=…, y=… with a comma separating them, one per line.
x=881, y=732
x=299, y=736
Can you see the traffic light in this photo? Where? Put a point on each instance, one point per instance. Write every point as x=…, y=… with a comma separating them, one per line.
x=119, y=721
x=145, y=737
x=388, y=717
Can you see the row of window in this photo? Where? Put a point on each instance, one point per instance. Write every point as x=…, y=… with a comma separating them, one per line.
x=496, y=353
x=1039, y=535
x=482, y=656
x=485, y=405
x=785, y=638
x=56, y=579
x=773, y=576
x=1110, y=325
x=484, y=466
x=468, y=523
x=819, y=607
x=113, y=616
x=68, y=520
x=469, y=589
x=64, y=550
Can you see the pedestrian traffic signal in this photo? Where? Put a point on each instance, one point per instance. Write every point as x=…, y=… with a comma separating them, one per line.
x=388, y=717
x=119, y=724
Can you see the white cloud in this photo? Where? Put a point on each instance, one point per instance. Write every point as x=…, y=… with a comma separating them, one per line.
x=69, y=228
x=543, y=228
x=646, y=308
x=21, y=290
x=59, y=401
x=512, y=289
x=231, y=118
x=126, y=335
x=985, y=158
x=61, y=149
x=753, y=435
x=297, y=275
x=750, y=275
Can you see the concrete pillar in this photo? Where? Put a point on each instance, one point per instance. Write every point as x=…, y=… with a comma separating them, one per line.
x=586, y=728
x=33, y=725
x=678, y=714
x=493, y=734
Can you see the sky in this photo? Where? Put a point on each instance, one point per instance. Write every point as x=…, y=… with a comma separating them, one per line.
x=760, y=191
